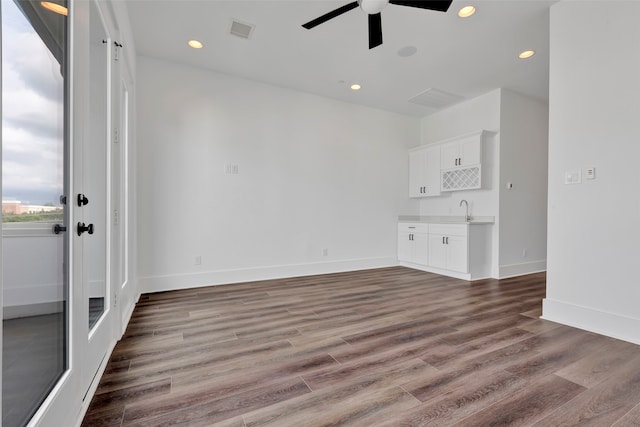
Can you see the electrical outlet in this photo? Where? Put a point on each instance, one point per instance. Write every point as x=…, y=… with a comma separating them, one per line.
x=198, y=260
x=325, y=252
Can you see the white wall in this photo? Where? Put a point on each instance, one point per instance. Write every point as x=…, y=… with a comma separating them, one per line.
x=32, y=270
x=523, y=163
x=313, y=173
x=594, y=231
x=514, y=151
x=481, y=113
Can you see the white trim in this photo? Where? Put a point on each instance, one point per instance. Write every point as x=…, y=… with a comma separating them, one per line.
x=33, y=294
x=220, y=277
x=94, y=384
x=512, y=270
x=29, y=229
x=127, y=317
x=29, y=310
x=601, y=322
x=440, y=271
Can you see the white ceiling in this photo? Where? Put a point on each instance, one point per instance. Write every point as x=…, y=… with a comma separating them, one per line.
x=465, y=57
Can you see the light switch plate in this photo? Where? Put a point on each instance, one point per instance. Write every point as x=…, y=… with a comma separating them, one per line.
x=572, y=177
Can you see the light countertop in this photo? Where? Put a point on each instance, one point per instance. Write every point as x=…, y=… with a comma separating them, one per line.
x=447, y=219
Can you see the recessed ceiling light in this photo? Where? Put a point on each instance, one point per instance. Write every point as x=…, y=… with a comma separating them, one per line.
x=355, y=87
x=55, y=7
x=466, y=11
x=195, y=44
x=526, y=54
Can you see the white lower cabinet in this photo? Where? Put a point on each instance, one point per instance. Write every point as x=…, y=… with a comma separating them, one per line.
x=457, y=250
x=449, y=247
x=413, y=243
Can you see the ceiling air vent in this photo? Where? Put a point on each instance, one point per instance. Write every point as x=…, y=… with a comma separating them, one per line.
x=436, y=98
x=240, y=29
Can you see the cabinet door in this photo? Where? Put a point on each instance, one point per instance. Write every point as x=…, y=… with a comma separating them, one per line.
x=469, y=151
x=437, y=251
x=420, y=249
x=415, y=173
x=431, y=171
x=404, y=246
x=457, y=254
x=424, y=172
x=449, y=155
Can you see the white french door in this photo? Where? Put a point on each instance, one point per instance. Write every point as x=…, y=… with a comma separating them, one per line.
x=83, y=241
x=92, y=197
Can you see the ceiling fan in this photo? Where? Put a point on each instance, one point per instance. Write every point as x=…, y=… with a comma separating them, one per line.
x=373, y=8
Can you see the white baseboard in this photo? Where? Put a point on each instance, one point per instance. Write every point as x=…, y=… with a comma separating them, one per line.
x=428, y=269
x=609, y=324
x=94, y=384
x=513, y=270
x=221, y=277
x=127, y=317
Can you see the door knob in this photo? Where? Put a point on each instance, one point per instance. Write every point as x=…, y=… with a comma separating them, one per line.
x=82, y=228
x=82, y=200
x=57, y=229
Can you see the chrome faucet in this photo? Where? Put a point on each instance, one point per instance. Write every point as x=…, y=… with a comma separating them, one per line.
x=467, y=217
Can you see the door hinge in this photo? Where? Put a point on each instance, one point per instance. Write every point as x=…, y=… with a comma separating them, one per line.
x=116, y=136
x=116, y=51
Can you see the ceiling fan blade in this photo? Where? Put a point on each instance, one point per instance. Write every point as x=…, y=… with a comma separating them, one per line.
x=327, y=16
x=375, y=30
x=439, y=5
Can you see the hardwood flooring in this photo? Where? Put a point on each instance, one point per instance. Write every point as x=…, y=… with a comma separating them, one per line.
x=385, y=347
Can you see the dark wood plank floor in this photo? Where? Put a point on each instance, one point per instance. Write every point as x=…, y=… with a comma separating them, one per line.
x=388, y=347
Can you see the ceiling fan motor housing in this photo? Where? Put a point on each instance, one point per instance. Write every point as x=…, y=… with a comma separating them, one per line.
x=373, y=6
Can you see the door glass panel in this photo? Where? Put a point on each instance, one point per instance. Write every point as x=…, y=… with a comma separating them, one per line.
x=96, y=166
x=34, y=154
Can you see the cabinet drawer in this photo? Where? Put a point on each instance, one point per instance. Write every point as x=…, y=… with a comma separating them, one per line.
x=413, y=227
x=449, y=229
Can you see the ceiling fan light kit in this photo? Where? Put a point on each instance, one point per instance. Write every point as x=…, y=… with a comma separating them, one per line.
x=373, y=9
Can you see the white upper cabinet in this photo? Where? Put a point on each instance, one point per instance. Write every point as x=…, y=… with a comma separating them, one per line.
x=424, y=171
x=465, y=151
x=461, y=163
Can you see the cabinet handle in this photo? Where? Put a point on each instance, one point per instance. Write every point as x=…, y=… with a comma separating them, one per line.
x=447, y=240
x=443, y=240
